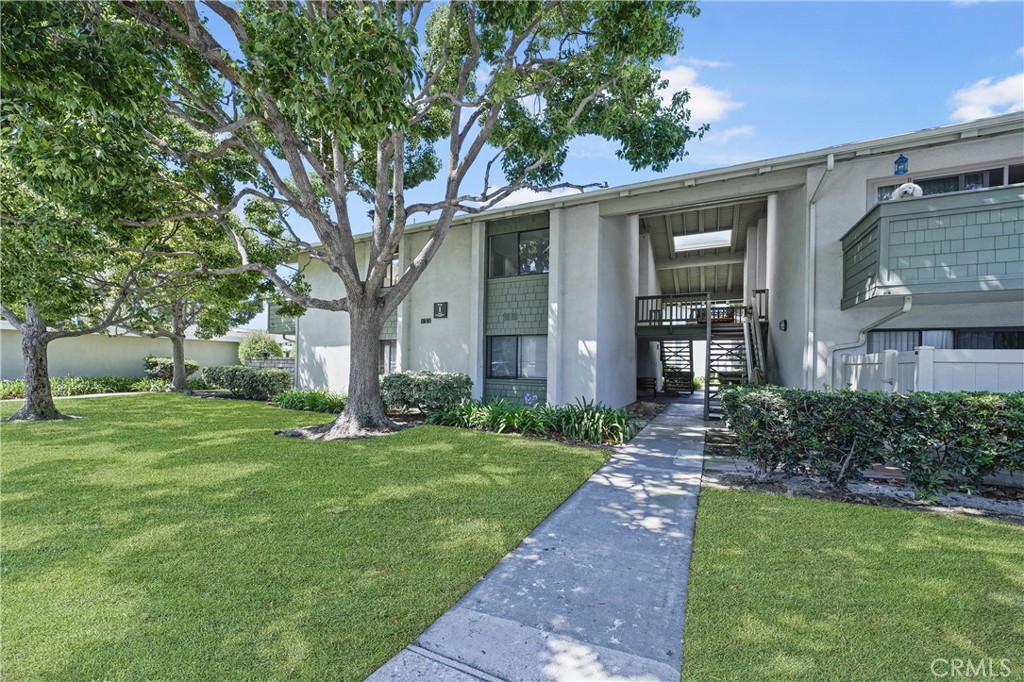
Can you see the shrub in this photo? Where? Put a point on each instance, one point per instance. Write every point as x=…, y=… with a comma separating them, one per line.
x=310, y=400
x=585, y=421
x=698, y=382
x=426, y=391
x=940, y=440
x=258, y=344
x=251, y=383
x=163, y=368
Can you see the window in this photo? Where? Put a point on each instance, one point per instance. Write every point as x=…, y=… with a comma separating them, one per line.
x=946, y=339
x=386, y=357
x=956, y=182
x=519, y=253
x=392, y=274
x=995, y=339
x=517, y=357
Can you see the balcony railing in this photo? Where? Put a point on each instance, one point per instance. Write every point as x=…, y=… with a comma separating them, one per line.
x=678, y=313
x=939, y=244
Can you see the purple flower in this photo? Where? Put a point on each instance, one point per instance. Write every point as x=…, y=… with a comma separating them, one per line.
x=531, y=399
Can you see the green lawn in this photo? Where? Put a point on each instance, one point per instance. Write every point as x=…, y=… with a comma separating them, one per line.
x=172, y=538
x=786, y=588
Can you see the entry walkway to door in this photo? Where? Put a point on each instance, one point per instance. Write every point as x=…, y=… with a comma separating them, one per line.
x=597, y=591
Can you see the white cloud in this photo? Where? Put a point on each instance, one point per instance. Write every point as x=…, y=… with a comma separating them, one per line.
x=1020, y=51
x=704, y=63
x=729, y=134
x=707, y=104
x=988, y=97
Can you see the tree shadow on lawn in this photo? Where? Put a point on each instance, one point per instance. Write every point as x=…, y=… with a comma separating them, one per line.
x=180, y=552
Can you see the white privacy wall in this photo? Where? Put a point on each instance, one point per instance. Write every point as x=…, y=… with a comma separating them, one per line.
x=927, y=369
x=96, y=355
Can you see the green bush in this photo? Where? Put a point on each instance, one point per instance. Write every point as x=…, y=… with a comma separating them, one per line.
x=310, y=400
x=940, y=440
x=698, y=382
x=426, y=391
x=163, y=368
x=258, y=344
x=251, y=383
x=588, y=422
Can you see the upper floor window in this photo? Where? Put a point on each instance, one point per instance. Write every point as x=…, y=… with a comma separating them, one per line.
x=957, y=182
x=392, y=274
x=519, y=253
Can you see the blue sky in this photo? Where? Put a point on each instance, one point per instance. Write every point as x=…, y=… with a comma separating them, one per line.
x=776, y=78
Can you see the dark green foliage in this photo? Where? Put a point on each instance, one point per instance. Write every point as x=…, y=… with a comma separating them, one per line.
x=587, y=422
x=320, y=400
x=940, y=440
x=251, y=383
x=258, y=344
x=70, y=386
x=426, y=391
x=163, y=368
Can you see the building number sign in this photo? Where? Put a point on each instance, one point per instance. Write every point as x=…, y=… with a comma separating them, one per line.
x=440, y=310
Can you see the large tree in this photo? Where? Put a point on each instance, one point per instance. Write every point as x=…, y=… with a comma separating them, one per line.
x=177, y=300
x=57, y=283
x=335, y=101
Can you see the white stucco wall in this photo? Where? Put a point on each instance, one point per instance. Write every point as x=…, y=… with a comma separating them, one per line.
x=618, y=268
x=442, y=345
x=96, y=355
x=786, y=239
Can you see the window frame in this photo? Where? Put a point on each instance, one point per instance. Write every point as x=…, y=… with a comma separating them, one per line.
x=517, y=364
x=518, y=269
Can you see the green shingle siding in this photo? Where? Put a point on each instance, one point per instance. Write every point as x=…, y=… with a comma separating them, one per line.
x=390, y=330
x=515, y=390
x=517, y=306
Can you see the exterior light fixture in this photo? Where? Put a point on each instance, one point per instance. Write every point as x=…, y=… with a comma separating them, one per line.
x=783, y=325
x=902, y=165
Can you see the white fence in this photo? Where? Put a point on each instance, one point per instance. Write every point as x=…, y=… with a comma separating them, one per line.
x=928, y=369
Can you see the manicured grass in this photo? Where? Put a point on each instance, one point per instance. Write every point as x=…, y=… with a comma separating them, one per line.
x=171, y=538
x=787, y=588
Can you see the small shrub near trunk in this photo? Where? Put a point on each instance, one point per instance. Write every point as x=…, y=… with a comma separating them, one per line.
x=310, y=400
x=588, y=422
x=939, y=440
x=426, y=391
x=163, y=368
x=250, y=383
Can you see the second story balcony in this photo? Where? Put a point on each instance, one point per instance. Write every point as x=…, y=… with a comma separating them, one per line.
x=963, y=242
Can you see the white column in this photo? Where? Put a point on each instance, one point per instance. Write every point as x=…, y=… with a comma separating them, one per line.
x=925, y=368
x=477, y=300
x=556, y=297
x=402, y=357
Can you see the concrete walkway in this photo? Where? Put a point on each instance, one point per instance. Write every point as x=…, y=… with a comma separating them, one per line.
x=597, y=591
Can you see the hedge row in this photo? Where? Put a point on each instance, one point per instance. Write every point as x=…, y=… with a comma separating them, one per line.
x=588, y=422
x=426, y=391
x=71, y=386
x=163, y=368
x=940, y=440
x=251, y=383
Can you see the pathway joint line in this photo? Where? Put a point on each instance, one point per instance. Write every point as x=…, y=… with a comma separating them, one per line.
x=453, y=664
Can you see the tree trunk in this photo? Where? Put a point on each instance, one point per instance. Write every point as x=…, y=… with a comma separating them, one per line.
x=364, y=412
x=179, y=378
x=38, y=397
